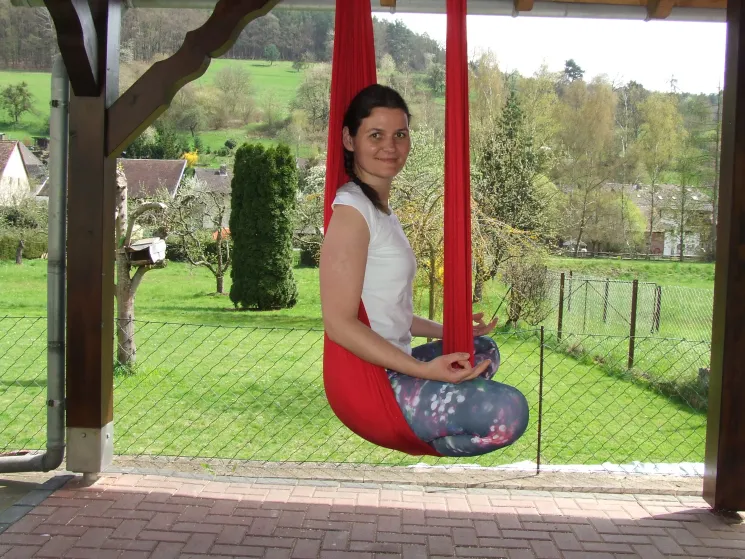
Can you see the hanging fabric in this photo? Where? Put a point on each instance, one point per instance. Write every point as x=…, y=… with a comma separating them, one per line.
x=359, y=392
x=457, y=290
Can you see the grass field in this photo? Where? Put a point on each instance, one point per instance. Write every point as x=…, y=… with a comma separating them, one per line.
x=657, y=271
x=214, y=382
x=278, y=81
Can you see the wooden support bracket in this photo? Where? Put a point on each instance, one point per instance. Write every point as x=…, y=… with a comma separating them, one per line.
x=78, y=43
x=659, y=9
x=388, y=4
x=523, y=5
x=150, y=95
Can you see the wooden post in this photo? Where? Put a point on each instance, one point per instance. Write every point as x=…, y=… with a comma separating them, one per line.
x=724, y=482
x=90, y=256
x=560, y=326
x=569, y=298
x=632, y=329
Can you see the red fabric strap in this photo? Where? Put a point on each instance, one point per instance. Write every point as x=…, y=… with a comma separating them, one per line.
x=457, y=296
x=358, y=392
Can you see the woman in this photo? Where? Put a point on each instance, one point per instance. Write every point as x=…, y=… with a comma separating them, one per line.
x=454, y=407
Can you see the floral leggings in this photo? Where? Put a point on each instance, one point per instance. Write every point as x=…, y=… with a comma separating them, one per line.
x=467, y=419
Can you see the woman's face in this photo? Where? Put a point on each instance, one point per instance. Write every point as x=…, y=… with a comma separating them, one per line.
x=381, y=145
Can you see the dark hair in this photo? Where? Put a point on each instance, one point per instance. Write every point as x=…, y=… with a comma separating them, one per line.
x=361, y=107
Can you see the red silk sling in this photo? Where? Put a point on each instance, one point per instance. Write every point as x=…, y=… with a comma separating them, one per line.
x=359, y=392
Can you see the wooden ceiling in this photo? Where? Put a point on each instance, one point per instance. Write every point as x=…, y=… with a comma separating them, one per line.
x=677, y=10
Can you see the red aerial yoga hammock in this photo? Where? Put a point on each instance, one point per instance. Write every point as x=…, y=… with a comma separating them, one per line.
x=359, y=392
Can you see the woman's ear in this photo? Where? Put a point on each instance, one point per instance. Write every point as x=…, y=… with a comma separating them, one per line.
x=347, y=140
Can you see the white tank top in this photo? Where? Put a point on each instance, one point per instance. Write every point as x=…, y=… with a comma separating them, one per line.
x=387, y=291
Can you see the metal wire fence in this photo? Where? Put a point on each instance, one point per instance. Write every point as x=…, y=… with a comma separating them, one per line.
x=217, y=398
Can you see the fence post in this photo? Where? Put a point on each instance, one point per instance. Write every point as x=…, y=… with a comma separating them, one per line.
x=561, y=307
x=632, y=332
x=584, y=316
x=569, y=298
x=657, y=309
x=605, y=300
x=540, y=405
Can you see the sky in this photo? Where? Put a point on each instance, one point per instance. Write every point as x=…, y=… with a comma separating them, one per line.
x=650, y=53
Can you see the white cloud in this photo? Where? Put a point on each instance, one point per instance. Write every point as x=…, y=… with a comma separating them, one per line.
x=648, y=52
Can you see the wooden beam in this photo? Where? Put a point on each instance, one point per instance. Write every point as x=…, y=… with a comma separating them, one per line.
x=523, y=5
x=90, y=258
x=388, y=4
x=659, y=9
x=724, y=482
x=77, y=39
x=150, y=95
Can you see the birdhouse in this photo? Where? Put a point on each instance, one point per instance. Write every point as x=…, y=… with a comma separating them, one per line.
x=146, y=252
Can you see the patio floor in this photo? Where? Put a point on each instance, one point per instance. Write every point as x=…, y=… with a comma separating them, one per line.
x=128, y=516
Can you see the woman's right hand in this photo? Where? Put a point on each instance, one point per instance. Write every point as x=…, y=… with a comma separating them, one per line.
x=442, y=368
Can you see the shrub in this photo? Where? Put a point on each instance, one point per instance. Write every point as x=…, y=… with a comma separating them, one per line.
x=263, y=198
x=35, y=243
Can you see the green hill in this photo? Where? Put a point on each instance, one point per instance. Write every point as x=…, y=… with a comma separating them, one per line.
x=279, y=81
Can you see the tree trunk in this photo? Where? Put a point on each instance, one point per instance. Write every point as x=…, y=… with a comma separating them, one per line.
x=651, y=223
x=219, y=274
x=682, y=222
x=432, y=282
x=19, y=252
x=715, y=185
x=582, y=222
x=126, y=350
x=478, y=288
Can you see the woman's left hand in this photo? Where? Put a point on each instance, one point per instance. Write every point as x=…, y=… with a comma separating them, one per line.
x=480, y=328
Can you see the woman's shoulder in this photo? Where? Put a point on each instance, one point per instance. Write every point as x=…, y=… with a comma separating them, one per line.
x=350, y=188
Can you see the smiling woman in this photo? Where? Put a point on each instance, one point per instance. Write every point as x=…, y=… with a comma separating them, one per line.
x=454, y=408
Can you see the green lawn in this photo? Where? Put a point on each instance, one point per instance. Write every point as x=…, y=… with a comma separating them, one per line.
x=36, y=124
x=687, y=274
x=279, y=81
x=214, y=382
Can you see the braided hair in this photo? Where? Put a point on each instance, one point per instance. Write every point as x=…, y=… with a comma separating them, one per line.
x=361, y=107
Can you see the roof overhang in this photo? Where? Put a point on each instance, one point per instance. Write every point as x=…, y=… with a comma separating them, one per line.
x=672, y=10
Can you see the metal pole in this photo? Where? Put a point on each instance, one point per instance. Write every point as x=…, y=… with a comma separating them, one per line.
x=569, y=298
x=584, y=316
x=560, y=326
x=632, y=332
x=658, y=308
x=59, y=139
x=540, y=405
x=605, y=300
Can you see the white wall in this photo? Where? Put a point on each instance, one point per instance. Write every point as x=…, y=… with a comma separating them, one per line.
x=672, y=240
x=14, y=184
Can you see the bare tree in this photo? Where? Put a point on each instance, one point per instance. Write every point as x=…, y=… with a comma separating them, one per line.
x=197, y=220
x=129, y=274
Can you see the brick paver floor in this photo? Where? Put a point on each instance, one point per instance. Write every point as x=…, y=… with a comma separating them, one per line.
x=128, y=516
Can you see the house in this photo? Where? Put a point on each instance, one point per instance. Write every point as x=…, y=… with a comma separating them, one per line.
x=217, y=182
x=14, y=181
x=37, y=170
x=666, y=208
x=146, y=177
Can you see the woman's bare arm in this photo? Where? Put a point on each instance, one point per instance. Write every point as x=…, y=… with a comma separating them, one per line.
x=343, y=261
x=424, y=328
x=342, y=271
